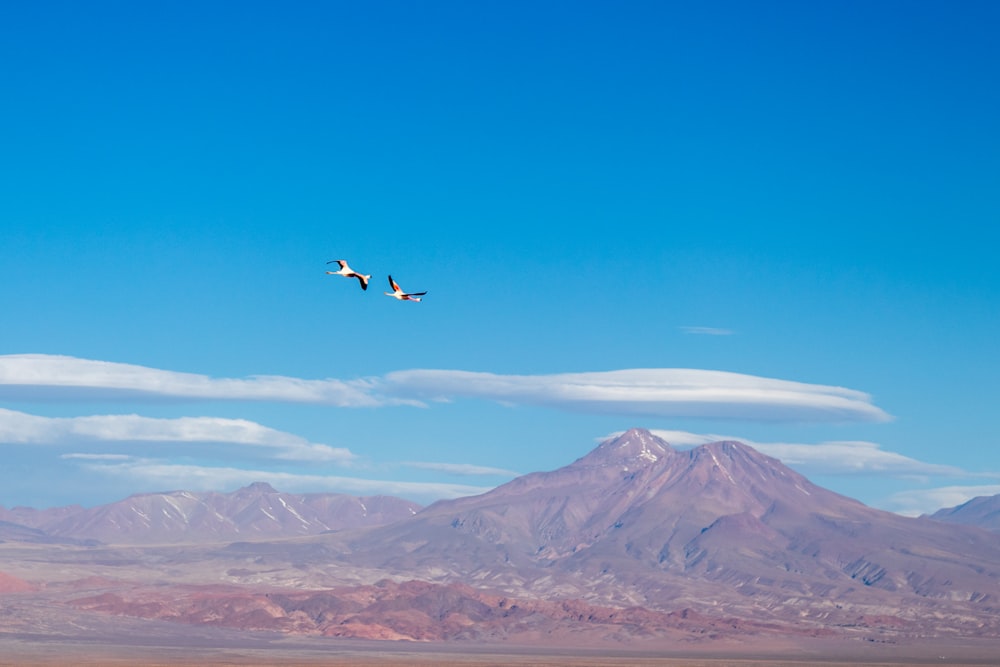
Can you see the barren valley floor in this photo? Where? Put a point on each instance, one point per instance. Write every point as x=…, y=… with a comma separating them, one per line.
x=268, y=651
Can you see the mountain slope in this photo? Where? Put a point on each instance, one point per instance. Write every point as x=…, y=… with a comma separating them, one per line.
x=983, y=511
x=254, y=512
x=636, y=540
x=720, y=527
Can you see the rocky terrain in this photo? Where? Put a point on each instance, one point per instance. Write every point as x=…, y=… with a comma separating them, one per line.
x=718, y=529
x=422, y=611
x=634, y=544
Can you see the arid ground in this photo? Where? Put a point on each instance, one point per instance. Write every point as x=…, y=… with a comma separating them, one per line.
x=239, y=649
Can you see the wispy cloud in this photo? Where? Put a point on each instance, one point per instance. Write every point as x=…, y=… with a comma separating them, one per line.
x=661, y=392
x=42, y=376
x=707, y=331
x=467, y=469
x=22, y=428
x=852, y=457
x=163, y=475
x=832, y=457
x=96, y=457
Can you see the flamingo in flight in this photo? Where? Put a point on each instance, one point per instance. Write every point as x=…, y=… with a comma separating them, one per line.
x=397, y=293
x=348, y=272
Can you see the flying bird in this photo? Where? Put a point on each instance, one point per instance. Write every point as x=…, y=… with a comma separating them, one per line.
x=348, y=272
x=397, y=293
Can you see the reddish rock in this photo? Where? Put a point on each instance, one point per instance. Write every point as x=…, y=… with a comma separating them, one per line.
x=11, y=584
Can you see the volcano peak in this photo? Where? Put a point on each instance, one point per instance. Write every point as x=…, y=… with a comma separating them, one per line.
x=636, y=446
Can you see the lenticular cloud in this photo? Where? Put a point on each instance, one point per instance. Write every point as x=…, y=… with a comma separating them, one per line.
x=22, y=428
x=43, y=376
x=657, y=392
x=660, y=392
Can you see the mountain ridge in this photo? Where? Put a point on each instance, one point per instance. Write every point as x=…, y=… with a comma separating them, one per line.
x=632, y=541
x=981, y=511
x=636, y=521
x=256, y=511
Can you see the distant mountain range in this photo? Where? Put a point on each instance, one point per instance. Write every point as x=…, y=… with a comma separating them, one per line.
x=257, y=511
x=983, y=512
x=636, y=541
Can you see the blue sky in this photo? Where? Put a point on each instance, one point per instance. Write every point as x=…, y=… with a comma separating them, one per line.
x=772, y=221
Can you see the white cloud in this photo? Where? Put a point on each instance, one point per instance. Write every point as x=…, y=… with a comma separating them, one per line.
x=96, y=457
x=839, y=457
x=707, y=331
x=22, y=428
x=928, y=501
x=461, y=468
x=53, y=377
x=662, y=392
x=206, y=478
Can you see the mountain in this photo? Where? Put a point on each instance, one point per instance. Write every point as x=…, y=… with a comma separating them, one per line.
x=16, y=532
x=718, y=528
x=983, y=511
x=31, y=517
x=254, y=512
x=634, y=542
